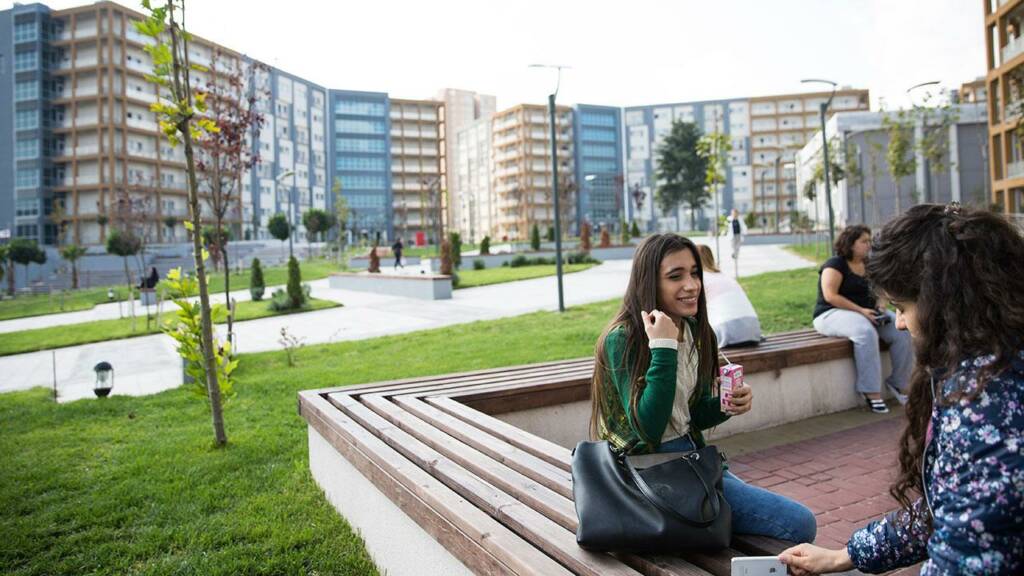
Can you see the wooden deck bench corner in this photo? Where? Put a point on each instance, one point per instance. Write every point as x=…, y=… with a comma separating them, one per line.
x=470, y=473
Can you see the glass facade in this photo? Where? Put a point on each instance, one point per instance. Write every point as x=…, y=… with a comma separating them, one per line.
x=361, y=161
x=599, y=166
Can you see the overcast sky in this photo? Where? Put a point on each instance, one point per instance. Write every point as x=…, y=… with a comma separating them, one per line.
x=620, y=53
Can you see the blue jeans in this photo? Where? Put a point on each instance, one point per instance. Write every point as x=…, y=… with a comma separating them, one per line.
x=866, y=355
x=757, y=511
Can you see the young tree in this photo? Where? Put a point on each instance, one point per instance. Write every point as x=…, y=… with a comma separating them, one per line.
x=485, y=245
x=341, y=214
x=585, y=237
x=535, y=237
x=624, y=232
x=295, y=294
x=606, y=238
x=180, y=110
x=124, y=244
x=634, y=230
x=279, y=228
x=900, y=153
x=682, y=170
x=934, y=142
x=7, y=267
x=318, y=222
x=256, y=284
x=72, y=253
x=714, y=148
x=455, y=239
x=25, y=252
x=216, y=242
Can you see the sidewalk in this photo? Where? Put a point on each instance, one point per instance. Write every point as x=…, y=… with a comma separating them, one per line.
x=842, y=476
x=148, y=364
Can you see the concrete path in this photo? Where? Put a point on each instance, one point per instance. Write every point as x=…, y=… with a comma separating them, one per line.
x=148, y=364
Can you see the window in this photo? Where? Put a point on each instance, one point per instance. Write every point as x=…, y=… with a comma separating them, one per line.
x=599, y=150
x=27, y=207
x=26, y=31
x=360, y=145
x=28, y=90
x=360, y=126
x=364, y=201
x=26, y=61
x=27, y=149
x=362, y=182
x=26, y=119
x=592, y=119
x=27, y=231
x=360, y=108
x=592, y=166
x=27, y=178
x=596, y=135
x=359, y=163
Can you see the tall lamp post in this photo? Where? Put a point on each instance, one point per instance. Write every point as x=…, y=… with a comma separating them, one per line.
x=823, y=108
x=554, y=180
x=291, y=229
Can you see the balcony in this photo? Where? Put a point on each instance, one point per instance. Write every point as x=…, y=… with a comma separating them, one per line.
x=1014, y=47
x=1015, y=169
x=1013, y=111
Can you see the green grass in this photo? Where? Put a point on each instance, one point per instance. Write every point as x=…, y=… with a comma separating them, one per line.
x=87, y=298
x=104, y=330
x=131, y=485
x=816, y=252
x=473, y=278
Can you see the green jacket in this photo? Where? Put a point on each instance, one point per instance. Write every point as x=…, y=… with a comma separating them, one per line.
x=655, y=409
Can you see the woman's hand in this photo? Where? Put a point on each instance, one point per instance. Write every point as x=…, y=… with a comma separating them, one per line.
x=657, y=324
x=742, y=400
x=806, y=559
x=870, y=314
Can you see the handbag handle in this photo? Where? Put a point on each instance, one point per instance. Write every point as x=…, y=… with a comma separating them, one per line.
x=660, y=503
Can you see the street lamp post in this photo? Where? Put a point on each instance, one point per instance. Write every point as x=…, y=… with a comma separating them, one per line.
x=554, y=181
x=823, y=108
x=291, y=228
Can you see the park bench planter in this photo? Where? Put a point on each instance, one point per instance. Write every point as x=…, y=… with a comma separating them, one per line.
x=470, y=473
x=422, y=286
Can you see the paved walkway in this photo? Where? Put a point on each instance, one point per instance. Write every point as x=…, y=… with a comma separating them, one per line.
x=148, y=364
x=842, y=476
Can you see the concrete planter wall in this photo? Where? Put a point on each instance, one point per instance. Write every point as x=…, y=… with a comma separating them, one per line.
x=496, y=260
x=424, y=287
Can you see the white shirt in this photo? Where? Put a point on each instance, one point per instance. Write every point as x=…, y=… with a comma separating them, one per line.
x=686, y=382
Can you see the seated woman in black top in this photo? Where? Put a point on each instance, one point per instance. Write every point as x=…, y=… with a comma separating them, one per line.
x=847, y=307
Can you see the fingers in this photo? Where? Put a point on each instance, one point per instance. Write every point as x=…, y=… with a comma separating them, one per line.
x=646, y=317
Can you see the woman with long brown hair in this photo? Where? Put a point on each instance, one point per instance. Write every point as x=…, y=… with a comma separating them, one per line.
x=653, y=388
x=956, y=277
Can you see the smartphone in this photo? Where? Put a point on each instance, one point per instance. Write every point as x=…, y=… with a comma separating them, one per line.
x=730, y=377
x=758, y=566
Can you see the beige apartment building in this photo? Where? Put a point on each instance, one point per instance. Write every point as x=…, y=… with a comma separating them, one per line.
x=1004, y=55
x=418, y=166
x=463, y=108
x=522, y=174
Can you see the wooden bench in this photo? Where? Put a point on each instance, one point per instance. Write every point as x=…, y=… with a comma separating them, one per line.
x=495, y=496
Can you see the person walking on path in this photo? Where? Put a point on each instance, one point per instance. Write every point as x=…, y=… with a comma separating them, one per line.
x=397, y=249
x=736, y=229
x=847, y=308
x=955, y=276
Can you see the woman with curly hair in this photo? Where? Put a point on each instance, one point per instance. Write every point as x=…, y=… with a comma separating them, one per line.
x=956, y=277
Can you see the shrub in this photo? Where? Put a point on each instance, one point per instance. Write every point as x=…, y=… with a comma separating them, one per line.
x=485, y=245
x=518, y=261
x=281, y=301
x=295, y=291
x=446, y=257
x=455, y=240
x=581, y=258
x=256, y=285
x=551, y=233
x=606, y=239
x=585, y=236
x=634, y=230
x=521, y=260
x=535, y=238
x=479, y=264
x=374, y=267
x=455, y=279
x=624, y=230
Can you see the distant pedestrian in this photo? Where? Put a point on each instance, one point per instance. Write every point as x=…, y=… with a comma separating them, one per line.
x=736, y=229
x=397, y=249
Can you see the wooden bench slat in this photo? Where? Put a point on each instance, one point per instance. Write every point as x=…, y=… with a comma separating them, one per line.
x=476, y=539
x=529, y=524
x=555, y=506
x=552, y=375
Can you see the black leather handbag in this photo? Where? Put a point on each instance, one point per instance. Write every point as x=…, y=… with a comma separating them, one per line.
x=676, y=503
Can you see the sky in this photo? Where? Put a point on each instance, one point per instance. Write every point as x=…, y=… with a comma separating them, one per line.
x=619, y=53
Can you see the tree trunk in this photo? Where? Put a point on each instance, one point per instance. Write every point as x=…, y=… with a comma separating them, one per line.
x=74, y=275
x=899, y=203
x=227, y=295
x=185, y=128
x=10, y=279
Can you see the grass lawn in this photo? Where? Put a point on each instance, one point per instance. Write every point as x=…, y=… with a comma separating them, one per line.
x=132, y=485
x=470, y=278
x=816, y=252
x=103, y=330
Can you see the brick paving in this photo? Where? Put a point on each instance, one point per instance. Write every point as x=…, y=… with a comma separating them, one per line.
x=843, y=477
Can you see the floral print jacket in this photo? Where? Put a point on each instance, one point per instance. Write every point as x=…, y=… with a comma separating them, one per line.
x=974, y=486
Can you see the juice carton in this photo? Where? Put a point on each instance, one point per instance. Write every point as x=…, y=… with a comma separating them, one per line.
x=730, y=378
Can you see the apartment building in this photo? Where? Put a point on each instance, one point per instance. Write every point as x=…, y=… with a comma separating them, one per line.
x=477, y=212
x=463, y=108
x=522, y=175
x=764, y=134
x=418, y=168
x=1004, y=54
x=600, y=173
x=75, y=104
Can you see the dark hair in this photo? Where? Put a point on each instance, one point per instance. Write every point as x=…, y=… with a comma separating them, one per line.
x=847, y=238
x=964, y=271
x=642, y=295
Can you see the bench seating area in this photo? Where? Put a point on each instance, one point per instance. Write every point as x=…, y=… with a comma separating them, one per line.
x=439, y=478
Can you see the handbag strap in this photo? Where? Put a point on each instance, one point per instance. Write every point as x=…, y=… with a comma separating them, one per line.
x=660, y=503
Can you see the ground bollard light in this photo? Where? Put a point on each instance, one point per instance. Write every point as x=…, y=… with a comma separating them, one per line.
x=104, y=379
